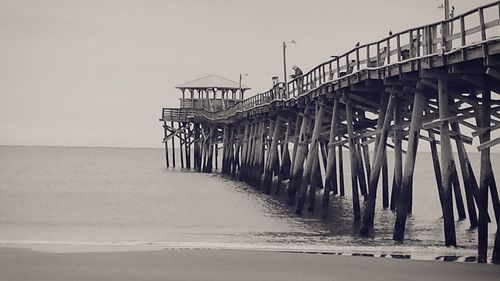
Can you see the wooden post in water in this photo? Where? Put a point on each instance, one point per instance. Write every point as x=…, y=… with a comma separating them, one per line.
x=187, y=137
x=459, y=202
x=296, y=136
x=315, y=183
x=232, y=148
x=197, y=147
x=398, y=155
x=353, y=157
x=446, y=166
x=366, y=157
x=361, y=170
x=437, y=166
x=166, y=143
x=468, y=185
x=259, y=167
x=378, y=162
x=236, y=159
x=409, y=166
x=173, y=143
x=284, y=172
x=300, y=154
x=330, y=170
x=485, y=179
x=225, y=149
x=210, y=149
x=181, y=142
x=216, y=150
x=244, y=151
x=341, y=171
x=251, y=152
x=272, y=156
x=385, y=181
x=312, y=159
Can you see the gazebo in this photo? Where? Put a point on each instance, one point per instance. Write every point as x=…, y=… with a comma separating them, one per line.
x=211, y=92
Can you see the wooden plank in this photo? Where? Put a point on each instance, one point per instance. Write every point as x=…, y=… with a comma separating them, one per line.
x=488, y=144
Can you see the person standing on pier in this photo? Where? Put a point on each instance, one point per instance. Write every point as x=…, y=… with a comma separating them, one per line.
x=298, y=76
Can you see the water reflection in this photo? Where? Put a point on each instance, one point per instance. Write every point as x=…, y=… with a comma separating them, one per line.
x=337, y=228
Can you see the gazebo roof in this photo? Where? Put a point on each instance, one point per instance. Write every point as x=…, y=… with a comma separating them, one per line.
x=212, y=81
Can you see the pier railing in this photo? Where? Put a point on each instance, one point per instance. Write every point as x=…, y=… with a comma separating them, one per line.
x=416, y=45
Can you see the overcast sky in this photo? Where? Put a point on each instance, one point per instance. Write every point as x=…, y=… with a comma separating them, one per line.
x=97, y=73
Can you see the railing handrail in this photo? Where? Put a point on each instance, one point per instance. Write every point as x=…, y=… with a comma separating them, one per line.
x=351, y=60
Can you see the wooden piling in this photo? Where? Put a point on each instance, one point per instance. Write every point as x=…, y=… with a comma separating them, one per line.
x=361, y=171
x=385, y=181
x=485, y=177
x=237, y=149
x=272, y=156
x=398, y=155
x=408, y=169
x=167, y=163
x=312, y=159
x=446, y=166
x=244, y=151
x=341, y=171
x=459, y=202
x=225, y=150
x=285, y=163
x=466, y=177
x=330, y=170
x=353, y=157
x=300, y=154
x=181, y=143
x=315, y=184
x=376, y=168
x=173, y=143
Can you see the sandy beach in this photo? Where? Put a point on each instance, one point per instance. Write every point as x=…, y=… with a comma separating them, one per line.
x=187, y=264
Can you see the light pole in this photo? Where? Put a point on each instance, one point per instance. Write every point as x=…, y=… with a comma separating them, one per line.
x=241, y=76
x=284, y=63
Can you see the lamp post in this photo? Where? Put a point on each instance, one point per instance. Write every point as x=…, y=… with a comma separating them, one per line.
x=284, y=63
x=241, y=76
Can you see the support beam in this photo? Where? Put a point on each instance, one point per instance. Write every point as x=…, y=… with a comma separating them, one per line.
x=485, y=179
x=331, y=173
x=341, y=171
x=446, y=166
x=406, y=186
x=353, y=157
x=312, y=159
x=272, y=156
x=300, y=154
x=377, y=166
x=284, y=172
x=466, y=177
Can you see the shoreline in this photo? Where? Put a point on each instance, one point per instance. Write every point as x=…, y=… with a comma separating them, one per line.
x=446, y=254
x=183, y=264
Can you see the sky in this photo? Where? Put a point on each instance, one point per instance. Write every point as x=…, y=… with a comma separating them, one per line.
x=97, y=73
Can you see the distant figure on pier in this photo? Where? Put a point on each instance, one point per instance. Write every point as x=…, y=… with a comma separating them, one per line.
x=276, y=89
x=298, y=76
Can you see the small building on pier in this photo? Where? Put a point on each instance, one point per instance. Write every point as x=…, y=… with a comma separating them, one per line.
x=211, y=92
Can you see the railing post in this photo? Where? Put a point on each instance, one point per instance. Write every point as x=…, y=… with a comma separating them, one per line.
x=378, y=54
x=398, y=46
x=368, y=56
x=388, y=50
x=357, y=59
x=481, y=24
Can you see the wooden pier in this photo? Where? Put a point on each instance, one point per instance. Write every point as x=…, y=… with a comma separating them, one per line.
x=436, y=83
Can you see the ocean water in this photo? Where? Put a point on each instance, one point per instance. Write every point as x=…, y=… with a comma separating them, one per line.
x=58, y=198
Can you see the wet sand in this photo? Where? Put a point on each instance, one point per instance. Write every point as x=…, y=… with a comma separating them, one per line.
x=191, y=264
